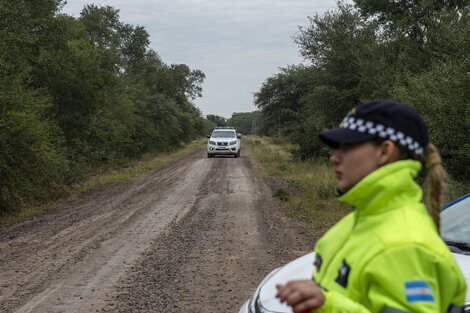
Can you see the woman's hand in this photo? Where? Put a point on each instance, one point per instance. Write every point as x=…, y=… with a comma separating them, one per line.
x=301, y=295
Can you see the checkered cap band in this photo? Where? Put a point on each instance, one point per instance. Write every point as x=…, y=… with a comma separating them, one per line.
x=382, y=131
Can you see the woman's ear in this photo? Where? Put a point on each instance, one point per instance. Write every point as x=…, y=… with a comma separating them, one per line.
x=387, y=153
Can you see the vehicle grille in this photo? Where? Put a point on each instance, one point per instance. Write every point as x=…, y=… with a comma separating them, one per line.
x=222, y=143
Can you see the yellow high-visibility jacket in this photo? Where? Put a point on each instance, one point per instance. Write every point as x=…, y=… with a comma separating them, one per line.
x=387, y=256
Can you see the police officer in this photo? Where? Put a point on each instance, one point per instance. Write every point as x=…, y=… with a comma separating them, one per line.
x=387, y=255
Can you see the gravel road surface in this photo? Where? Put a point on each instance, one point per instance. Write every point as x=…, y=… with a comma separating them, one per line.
x=197, y=235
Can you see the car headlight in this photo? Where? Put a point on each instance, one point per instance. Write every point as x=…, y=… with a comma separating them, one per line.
x=212, y=142
x=233, y=142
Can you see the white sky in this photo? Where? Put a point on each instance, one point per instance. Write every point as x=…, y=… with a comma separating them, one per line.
x=238, y=44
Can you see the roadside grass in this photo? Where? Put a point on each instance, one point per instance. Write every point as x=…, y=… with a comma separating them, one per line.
x=312, y=185
x=134, y=169
x=102, y=178
x=311, y=196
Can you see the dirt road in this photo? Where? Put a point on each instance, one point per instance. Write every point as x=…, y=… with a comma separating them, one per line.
x=195, y=236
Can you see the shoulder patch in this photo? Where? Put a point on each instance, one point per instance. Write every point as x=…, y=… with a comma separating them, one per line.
x=418, y=291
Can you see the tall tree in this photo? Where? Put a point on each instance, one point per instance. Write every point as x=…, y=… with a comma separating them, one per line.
x=103, y=29
x=279, y=99
x=186, y=83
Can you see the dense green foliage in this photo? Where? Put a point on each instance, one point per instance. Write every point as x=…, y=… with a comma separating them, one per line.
x=411, y=51
x=217, y=120
x=77, y=94
x=245, y=123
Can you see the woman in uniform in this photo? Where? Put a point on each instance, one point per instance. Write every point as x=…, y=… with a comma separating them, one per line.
x=387, y=255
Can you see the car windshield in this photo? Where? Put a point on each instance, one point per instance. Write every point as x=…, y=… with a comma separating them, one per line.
x=223, y=134
x=455, y=224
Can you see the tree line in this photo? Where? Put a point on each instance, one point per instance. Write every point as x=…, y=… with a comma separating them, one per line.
x=416, y=52
x=77, y=94
x=245, y=123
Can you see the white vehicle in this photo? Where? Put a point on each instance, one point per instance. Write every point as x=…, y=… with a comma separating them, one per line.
x=455, y=230
x=223, y=141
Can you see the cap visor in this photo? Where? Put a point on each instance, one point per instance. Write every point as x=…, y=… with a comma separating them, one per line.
x=335, y=136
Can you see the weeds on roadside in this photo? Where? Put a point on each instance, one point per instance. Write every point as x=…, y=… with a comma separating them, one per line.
x=313, y=199
x=134, y=169
x=282, y=194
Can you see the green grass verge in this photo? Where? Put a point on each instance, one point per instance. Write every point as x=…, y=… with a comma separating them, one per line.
x=313, y=196
x=103, y=178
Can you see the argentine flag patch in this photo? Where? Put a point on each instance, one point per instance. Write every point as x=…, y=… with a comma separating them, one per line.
x=418, y=291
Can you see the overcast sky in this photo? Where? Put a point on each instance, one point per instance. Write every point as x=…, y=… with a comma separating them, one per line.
x=238, y=44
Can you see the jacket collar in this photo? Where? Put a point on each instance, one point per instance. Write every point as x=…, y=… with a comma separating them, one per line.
x=374, y=193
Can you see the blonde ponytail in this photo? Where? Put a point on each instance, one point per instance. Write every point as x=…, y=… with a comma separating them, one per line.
x=435, y=181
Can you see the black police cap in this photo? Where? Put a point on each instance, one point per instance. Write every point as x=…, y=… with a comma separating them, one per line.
x=387, y=119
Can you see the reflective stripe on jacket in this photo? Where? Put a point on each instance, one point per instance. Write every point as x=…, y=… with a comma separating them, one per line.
x=387, y=256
